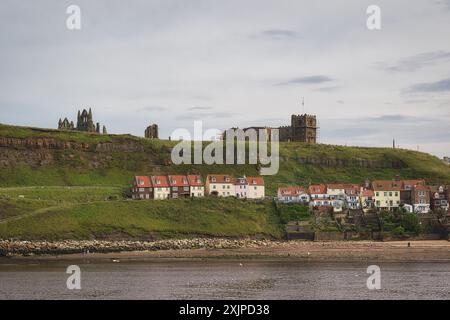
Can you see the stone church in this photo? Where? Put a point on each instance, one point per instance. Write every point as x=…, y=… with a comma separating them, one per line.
x=84, y=123
x=303, y=128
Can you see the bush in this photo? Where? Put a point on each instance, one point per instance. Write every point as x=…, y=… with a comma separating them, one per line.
x=398, y=232
x=293, y=212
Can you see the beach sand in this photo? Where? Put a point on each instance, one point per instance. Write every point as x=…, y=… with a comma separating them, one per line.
x=394, y=251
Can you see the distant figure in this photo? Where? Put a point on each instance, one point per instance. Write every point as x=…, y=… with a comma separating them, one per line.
x=409, y=244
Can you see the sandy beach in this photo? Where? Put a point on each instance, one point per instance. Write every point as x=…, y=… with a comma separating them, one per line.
x=395, y=251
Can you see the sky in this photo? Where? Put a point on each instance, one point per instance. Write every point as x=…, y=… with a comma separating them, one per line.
x=233, y=63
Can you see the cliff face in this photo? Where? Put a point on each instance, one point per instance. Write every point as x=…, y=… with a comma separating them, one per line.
x=38, y=152
x=357, y=163
x=33, y=156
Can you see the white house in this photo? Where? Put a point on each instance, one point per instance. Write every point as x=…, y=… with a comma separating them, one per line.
x=220, y=185
x=255, y=188
x=318, y=192
x=196, y=186
x=240, y=187
x=293, y=194
x=161, y=187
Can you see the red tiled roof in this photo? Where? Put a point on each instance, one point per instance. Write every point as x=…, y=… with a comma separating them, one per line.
x=317, y=189
x=178, y=181
x=195, y=180
x=367, y=193
x=386, y=185
x=291, y=191
x=421, y=188
x=143, y=181
x=160, y=181
x=255, y=181
x=219, y=178
x=241, y=181
x=336, y=186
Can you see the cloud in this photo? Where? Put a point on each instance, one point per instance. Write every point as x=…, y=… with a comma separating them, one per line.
x=318, y=79
x=327, y=89
x=205, y=115
x=393, y=117
x=417, y=62
x=152, y=109
x=200, y=108
x=280, y=34
x=438, y=86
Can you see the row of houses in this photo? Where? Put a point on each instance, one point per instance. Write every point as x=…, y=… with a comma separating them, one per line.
x=189, y=186
x=413, y=195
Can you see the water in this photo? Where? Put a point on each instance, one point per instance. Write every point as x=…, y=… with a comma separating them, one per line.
x=222, y=279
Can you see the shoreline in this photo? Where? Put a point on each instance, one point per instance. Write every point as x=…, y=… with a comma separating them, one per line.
x=201, y=249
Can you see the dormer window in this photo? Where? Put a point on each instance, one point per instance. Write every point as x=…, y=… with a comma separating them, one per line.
x=213, y=179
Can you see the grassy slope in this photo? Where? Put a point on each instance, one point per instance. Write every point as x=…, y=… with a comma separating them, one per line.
x=122, y=166
x=83, y=212
x=143, y=219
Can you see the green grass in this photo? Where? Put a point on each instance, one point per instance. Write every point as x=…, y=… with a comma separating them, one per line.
x=300, y=163
x=51, y=210
x=60, y=194
x=146, y=220
x=19, y=207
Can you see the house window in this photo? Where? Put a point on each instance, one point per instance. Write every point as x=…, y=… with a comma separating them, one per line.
x=378, y=194
x=396, y=194
x=186, y=188
x=214, y=186
x=175, y=188
x=390, y=194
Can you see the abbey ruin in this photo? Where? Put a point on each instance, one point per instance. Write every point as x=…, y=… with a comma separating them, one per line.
x=84, y=123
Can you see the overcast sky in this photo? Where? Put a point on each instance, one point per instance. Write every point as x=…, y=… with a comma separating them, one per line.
x=233, y=63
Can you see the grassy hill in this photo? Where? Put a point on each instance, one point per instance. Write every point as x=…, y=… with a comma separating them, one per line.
x=125, y=219
x=112, y=160
x=71, y=185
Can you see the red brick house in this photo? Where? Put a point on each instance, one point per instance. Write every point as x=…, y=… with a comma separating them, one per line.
x=142, y=188
x=439, y=198
x=179, y=187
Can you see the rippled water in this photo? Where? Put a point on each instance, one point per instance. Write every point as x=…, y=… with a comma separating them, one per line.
x=219, y=279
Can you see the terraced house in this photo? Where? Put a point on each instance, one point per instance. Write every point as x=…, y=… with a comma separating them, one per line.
x=179, y=187
x=142, y=188
x=196, y=187
x=413, y=196
x=161, y=187
x=293, y=194
x=387, y=194
x=240, y=187
x=255, y=188
x=220, y=185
